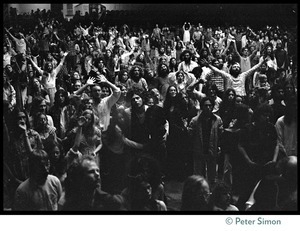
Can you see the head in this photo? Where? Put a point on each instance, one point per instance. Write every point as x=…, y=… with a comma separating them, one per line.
x=136, y=73
x=162, y=70
x=263, y=115
x=20, y=118
x=187, y=56
x=235, y=69
x=39, y=165
x=136, y=96
x=96, y=92
x=221, y=195
x=89, y=117
x=87, y=103
x=40, y=121
x=230, y=95
x=105, y=91
x=49, y=67
x=195, y=194
x=180, y=77
x=123, y=76
x=245, y=51
x=277, y=92
x=83, y=177
x=172, y=91
x=61, y=98
x=207, y=104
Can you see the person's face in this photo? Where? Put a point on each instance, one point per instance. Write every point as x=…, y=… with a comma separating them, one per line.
x=172, y=92
x=230, y=96
x=96, y=92
x=88, y=118
x=77, y=85
x=125, y=76
x=180, y=78
x=136, y=101
x=41, y=171
x=145, y=192
x=238, y=100
x=207, y=107
x=91, y=174
x=235, y=69
x=55, y=153
x=245, y=52
x=263, y=68
x=163, y=68
x=9, y=68
x=88, y=104
x=289, y=89
x=76, y=75
x=105, y=92
x=49, y=66
x=150, y=102
x=43, y=106
x=212, y=92
x=187, y=57
x=169, y=49
x=216, y=64
x=136, y=72
x=61, y=98
x=216, y=46
x=162, y=50
x=42, y=121
x=21, y=118
x=123, y=90
x=269, y=50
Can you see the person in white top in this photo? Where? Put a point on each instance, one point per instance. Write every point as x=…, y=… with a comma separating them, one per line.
x=19, y=40
x=49, y=76
x=102, y=106
x=187, y=65
x=235, y=79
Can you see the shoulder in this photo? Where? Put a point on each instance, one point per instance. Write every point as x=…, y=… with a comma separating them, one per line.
x=161, y=206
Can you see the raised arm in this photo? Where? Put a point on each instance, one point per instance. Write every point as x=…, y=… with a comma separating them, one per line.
x=59, y=66
x=89, y=82
x=35, y=65
x=223, y=74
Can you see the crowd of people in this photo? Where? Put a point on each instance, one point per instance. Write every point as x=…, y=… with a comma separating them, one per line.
x=99, y=118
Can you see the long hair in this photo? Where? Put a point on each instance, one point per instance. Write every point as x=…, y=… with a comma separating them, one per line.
x=171, y=101
x=15, y=127
x=159, y=72
x=192, y=196
x=131, y=73
x=36, y=102
x=57, y=102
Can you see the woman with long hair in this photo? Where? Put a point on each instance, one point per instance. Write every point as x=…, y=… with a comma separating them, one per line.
x=177, y=128
x=61, y=112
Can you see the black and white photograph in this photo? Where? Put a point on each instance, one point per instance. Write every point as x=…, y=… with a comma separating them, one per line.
x=115, y=108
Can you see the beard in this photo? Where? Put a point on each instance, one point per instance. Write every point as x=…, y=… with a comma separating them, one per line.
x=234, y=73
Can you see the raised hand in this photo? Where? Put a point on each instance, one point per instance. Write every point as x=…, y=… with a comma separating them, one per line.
x=102, y=78
x=90, y=81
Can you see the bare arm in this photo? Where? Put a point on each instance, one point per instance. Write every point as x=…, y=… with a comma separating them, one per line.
x=89, y=82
